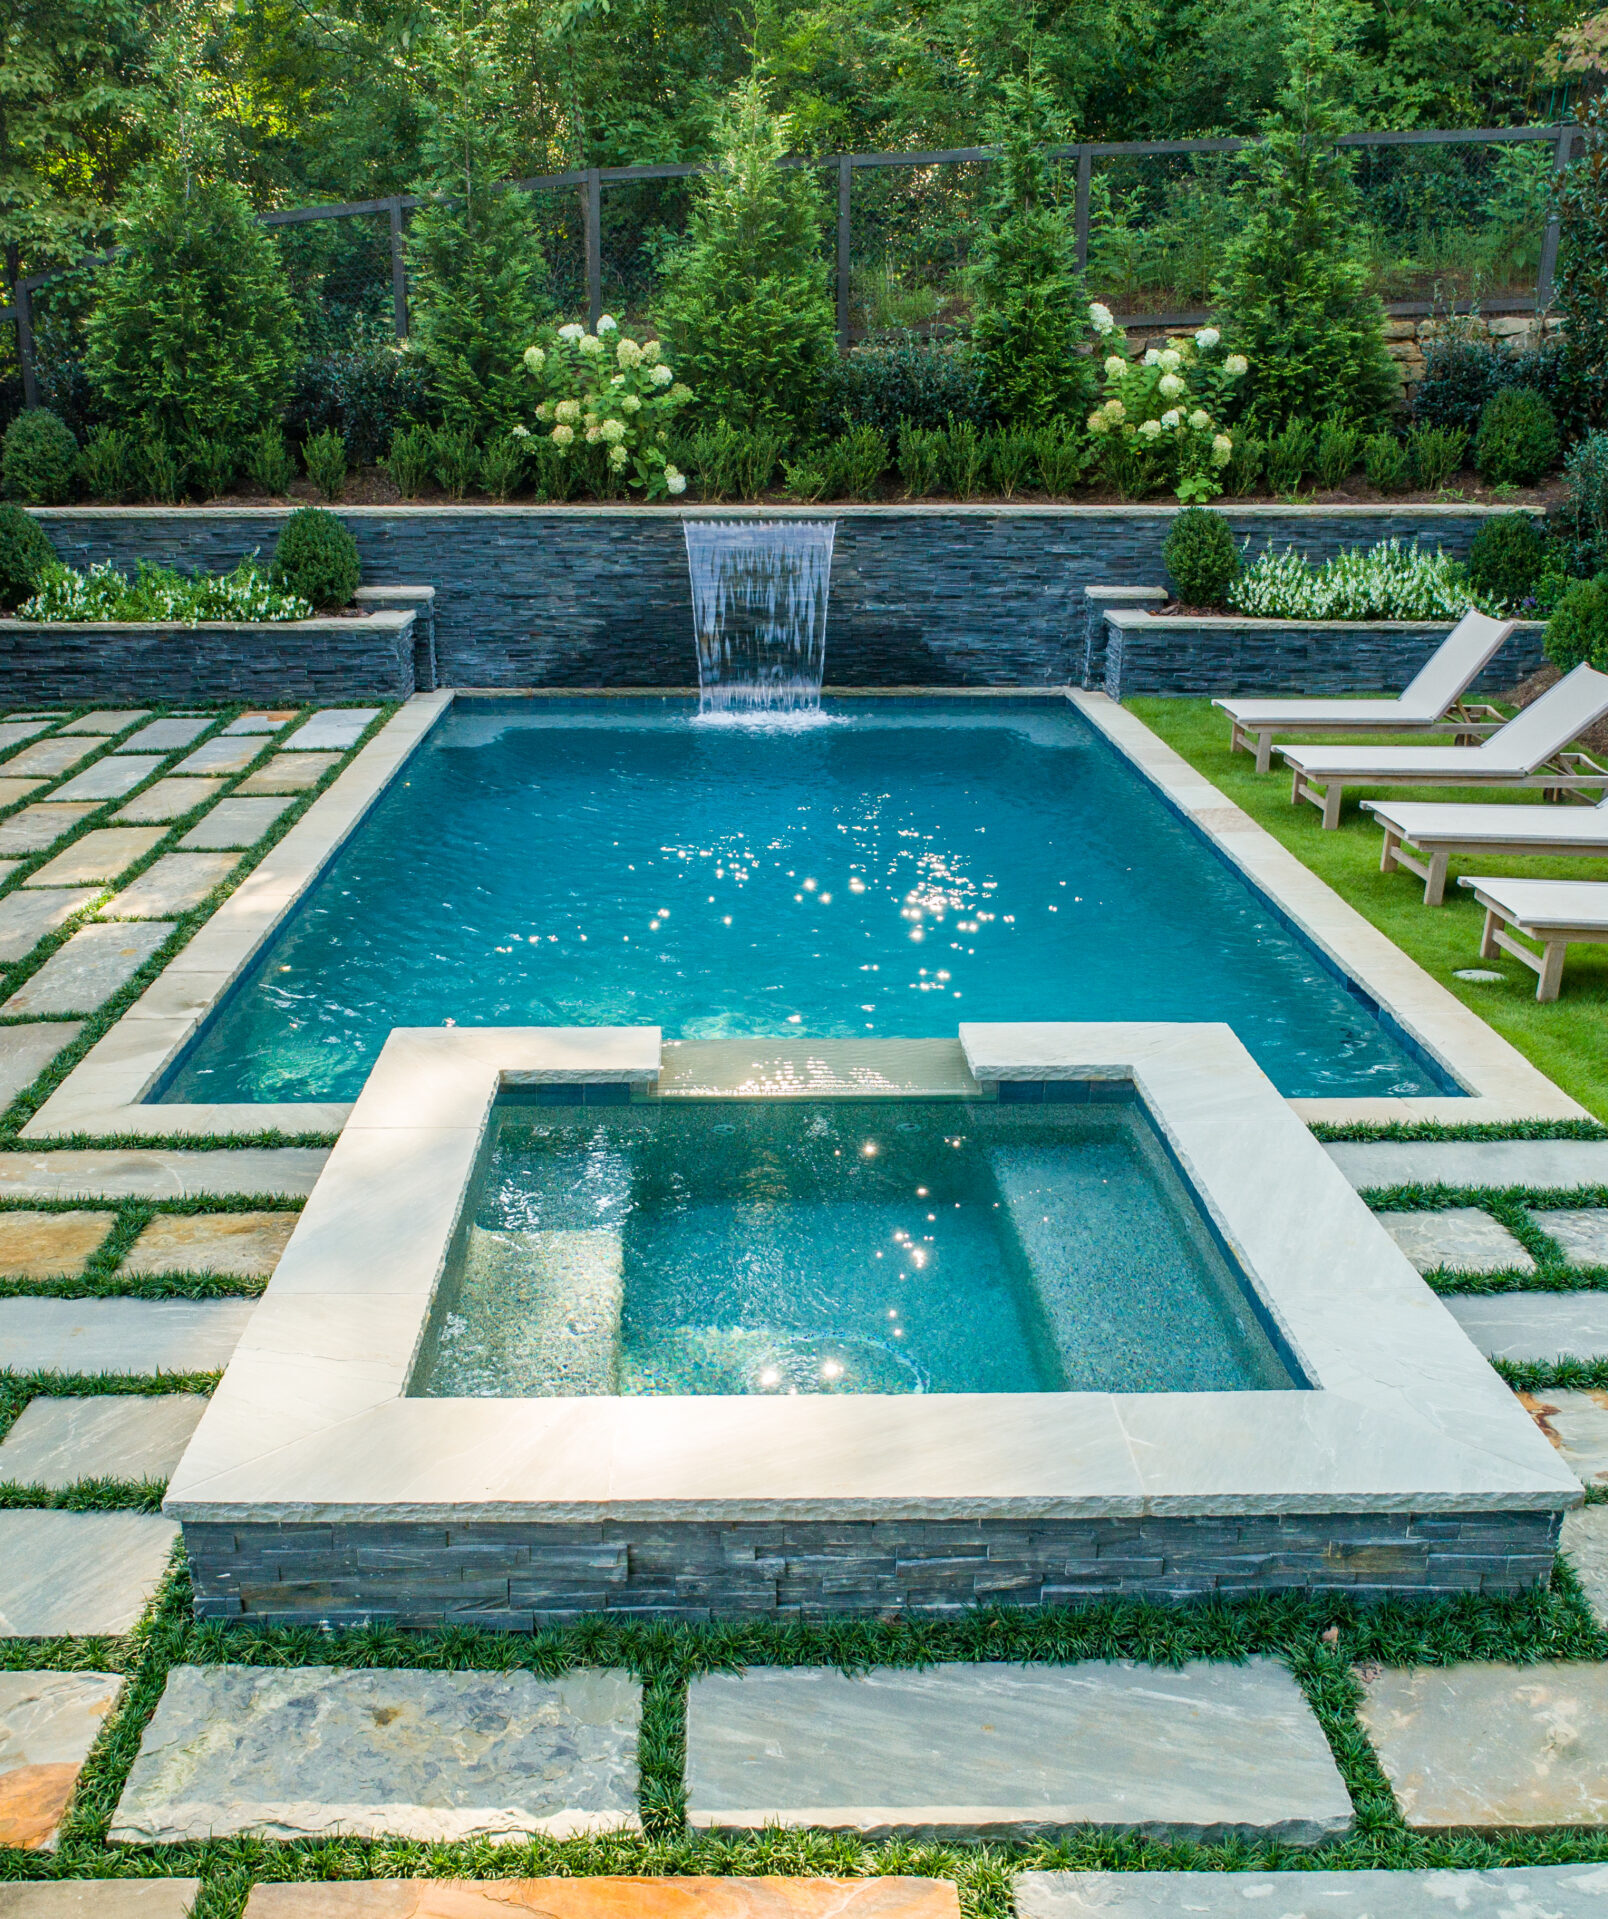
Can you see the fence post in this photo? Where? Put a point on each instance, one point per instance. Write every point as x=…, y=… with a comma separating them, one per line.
x=399, y=274
x=845, y=185
x=22, y=301
x=1549, y=240
x=1081, y=217
x=592, y=206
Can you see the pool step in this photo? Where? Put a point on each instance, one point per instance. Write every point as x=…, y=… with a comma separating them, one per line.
x=817, y=1069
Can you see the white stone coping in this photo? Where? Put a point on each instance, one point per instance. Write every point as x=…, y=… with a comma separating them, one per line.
x=104, y=1094
x=825, y=510
x=1139, y=620
x=312, y=1422
x=1501, y=1083
x=371, y=619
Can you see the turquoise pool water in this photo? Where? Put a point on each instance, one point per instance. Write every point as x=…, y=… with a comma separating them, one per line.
x=776, y=1247
x=908, y=865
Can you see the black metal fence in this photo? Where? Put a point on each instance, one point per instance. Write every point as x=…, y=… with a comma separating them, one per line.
x=1452, y=218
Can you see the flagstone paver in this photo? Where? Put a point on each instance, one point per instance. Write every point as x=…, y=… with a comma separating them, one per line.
x=1535, y=1326
x=13, y=790
x=165, y=736
x=269, y=722
x=41, y=825
x=99, y=1898
x=289, y=773
x=1545, y=1164
x=221, y=755
x=890, y=1897
x=25, y=1052
x=26, y=916
x=72, y=1574
x=1509, y=1892
x=1490, y=1744
x=168, y=800
x=1585, y=1540
x=101, y=854
x=107, y=721
x=244, y=1245
x=89, y=969
x=146, y=1172
x=1577, y=1424
x=121, y=1335
x=234, y=823
x=38, y=1245
x=7, y=868
x=48, y=1722
x=176, y=883
x=1208, y=1751
x=1463, y=1239
x=15, y=731
x=50, y=756
x=336, y=728
x=309, y=1750
x=110, y=778
x=58, y=1442
x=1582, y=1233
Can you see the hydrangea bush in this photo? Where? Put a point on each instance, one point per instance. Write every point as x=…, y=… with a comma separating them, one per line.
x=1389, y=582
x=160, y=593
x=1159, y=424
x=609, y=391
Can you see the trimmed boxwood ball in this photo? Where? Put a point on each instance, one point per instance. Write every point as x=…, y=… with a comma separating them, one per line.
x=1517, y=441
x=317, y=558
x=38, y=460
x=1200, y=556
x=24, y=553
x=1578, y=629
x=1505, y=558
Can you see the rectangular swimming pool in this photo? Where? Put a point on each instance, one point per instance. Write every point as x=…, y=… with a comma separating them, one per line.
x=904, y=865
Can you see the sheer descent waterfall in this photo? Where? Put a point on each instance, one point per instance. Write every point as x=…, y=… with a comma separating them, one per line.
x=759, y=592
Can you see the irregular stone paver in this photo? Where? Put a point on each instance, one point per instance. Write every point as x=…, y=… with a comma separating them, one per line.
x=234, y=823
x=39, y=826
x=99, y=855
x=176, y=883
x=99, y=1899
x=90, y=968
x=1462, y=1239
x=289, y=773
x=220, y=756
x=109, y=720
x=336, y=728
x=50, y=756
x=168, y=800
x=25, y=1052
x=1542, y=1163
x=15, y=731
x=1210, y=1751
x=426, y=1755
x=244, y=1245
x=146, y=1172
x=27, y=916
x=121, y=1335
x=164, y=736
x=110, y=778
x=45, y=1245
x=7, y=868
x=1582, y=1233
x=1509, y=1892
x=891, y=1897
x=260, y=722
x=1523, y=1326
x=1585, y=1540
x=1577, y=1424
x=77, y=1573
x=13, y=790
x=1491, y=1744
x=58, y=1442
x=48, y=1722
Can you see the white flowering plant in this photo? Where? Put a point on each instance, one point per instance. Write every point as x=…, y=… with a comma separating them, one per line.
x=1161, y=422
x=1388, y=582
x=609, y=392
x=160, y=593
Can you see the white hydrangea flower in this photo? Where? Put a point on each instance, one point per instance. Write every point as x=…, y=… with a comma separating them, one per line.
x=1152, y=356
x=521, y=431
x=628, y=353
x=1169, y=359
x=617, y=456
x=676, y=482
x=535, y=359
x=1100, y=317
x=568, y=411
x=1115, y=410
x=589, y=418
x=1200, y=419
x=572, y=332
x=592, y=435
x=544, y=411
x=1172, y=419
x=1151, y=429
x=631, y=403
x=1222, y=449
x=589, y=343
x=618, y=380
x=613, y=431
x=1115, y=364
x=1208, y=336
x=681, y=393
x=1098, y=423
x=563, y=435
x=606, y=323
x=1236, y=364
x=661, y=376
x=1169, y=386
x=650, y=352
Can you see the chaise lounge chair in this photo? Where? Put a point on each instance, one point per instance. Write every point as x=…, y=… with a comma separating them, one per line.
x=1556, y=913
x=1529, y=751
x=1437, y=830
x=1433, y=703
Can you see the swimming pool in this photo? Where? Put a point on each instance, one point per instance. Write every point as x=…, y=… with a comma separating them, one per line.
x=905, y=865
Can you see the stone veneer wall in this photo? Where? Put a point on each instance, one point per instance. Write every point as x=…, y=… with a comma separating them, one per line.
x=513, y=1577
x=598, y=596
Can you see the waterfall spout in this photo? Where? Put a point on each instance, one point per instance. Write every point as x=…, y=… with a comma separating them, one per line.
x=759, y=592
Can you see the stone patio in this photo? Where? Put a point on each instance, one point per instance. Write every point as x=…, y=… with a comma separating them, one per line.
x=79, y=1573
x=58, y=1442
x=1581, y=1232
x=1463, y=1239
x=1534, y=1326
x=96, y=962
x=1523, y=1892
x=121, y=1335
x=48, y=1722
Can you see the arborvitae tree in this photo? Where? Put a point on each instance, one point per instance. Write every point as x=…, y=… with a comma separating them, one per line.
x=1030, y=314
x=746, y=312
x=1293, y=293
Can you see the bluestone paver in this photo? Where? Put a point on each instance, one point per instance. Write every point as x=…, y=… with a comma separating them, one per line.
x=14, y=732
x=151, y=1172
x=41, y=825
x=27, y=915
x=167, y=800
x=99, y=1898
x=85, y=972
x=289, y=773
x=108, y=720
x=221, y=755
x=1577, y=1424
x=259, y=722
x=335, y=729
x=73, y=1574
x=11, y=791
x=121, y=1335
x=1545, y=1164
x=1534, y=1326
x=51, y=757
x=48, y=1722
x=110, y=778
x=1463, y=1239
x=165, y=736
x=1505, y=1892
x=102, y=854
x=58, y=1442
x=25, y=1052
x=1581, y=1232
x=1585, y=1540
x=234, y=823
x=175, y=883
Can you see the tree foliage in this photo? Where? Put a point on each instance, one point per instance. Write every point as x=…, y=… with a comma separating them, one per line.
x=1582, y=283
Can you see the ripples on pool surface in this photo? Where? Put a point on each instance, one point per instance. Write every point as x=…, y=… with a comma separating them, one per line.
x=912, y=865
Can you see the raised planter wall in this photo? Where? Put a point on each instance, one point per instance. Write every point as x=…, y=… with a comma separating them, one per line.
x=597, y=596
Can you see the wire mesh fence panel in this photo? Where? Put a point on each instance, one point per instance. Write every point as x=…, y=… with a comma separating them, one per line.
x=1158, y=224
x=913, y=231
x=339, y=270
x=556, y=213
x=644, y=225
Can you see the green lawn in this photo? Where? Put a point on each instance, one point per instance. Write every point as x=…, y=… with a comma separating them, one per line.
x=1568, y=1040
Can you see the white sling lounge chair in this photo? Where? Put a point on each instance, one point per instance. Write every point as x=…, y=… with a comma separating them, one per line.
x=1432, y=703
x=1438, y=830
x=1556, y=913
x=1529, y=751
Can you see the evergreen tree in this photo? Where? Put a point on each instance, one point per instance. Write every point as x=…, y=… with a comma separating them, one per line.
x=1582, y=288
x=746, y=313
x=1293, y=293
x=1029, y=311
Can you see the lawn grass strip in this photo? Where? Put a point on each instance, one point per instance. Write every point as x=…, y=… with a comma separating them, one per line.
x=103, y=1278
x=16, y=1389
